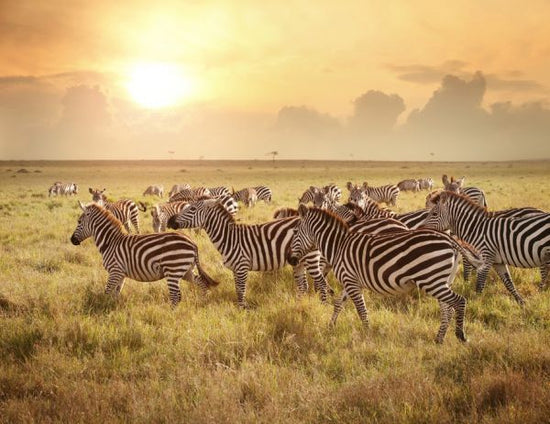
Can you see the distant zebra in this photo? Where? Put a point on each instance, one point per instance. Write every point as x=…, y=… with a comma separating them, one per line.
x=177, y=188
x=331, y=193
x=60, y=189
x=383, y=194
x=387, y=263
x=190, y=195
x=475, y=194
x=309, y=195
x=245, y=248
x=154, y=190
x=408, y=185
x=149, y=257
x=501, y=241
x=425, y=183
x=263, y=193
x=125, y=210
x=250, y=197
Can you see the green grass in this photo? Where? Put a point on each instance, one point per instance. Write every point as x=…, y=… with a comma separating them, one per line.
x=69, y=353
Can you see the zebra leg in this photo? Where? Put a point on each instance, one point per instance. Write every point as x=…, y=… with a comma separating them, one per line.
x=338, y=305
x=115, y=282
x=504, y=275
x=481, y=279
x=544, y=272
x=353, y=288
x=300, y=278
x=446, y=312
x=450, y=301
x=174, y=290
x=466, y=269
x=240, y=276
x=313, y=266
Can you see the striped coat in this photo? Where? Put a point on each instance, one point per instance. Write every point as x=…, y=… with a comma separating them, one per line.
x=125, y=210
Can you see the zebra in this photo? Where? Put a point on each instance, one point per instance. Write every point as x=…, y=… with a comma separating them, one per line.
x=425, y=183
x=250, y=197
x=264, y=193
x=387, y=263
x=501, y=241
x=244, y=248
x=285, y=213
x=384, y=194
x=310, y=194
x=190, y=195
x=457, y=186
x=219, y=191
x=154, y=190
x=408, y=185
x=148, y=257
x=125, y=210
x=162, y=212
x=332, y=194
x=475, y=194
x=377, y=225
x=58, y=188
x=177, y=188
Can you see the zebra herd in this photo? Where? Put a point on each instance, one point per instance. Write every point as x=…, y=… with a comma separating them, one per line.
x=364, y=244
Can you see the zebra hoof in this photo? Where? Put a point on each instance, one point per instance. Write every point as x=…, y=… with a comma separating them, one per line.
x=460, y=336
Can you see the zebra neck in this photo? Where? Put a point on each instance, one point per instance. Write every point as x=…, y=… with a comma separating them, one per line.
x=218, y=227
x=464, y=223
x=106, y=234
x=329, y=242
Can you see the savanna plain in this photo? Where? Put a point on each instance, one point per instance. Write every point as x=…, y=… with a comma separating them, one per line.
x=70, y=353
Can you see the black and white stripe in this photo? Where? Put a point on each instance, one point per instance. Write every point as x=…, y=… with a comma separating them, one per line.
x=125, y=210
x=60, y=189
x=387, y=263
x=154, y=190
x=263, y=193
x=425, y=183
x=501, y=240
x=384, y=194
x=220, y=191
x=149, y=257
x=190, y=195
x=163, y=212
x=245, y=248
x=177, y=188
x=408, y=185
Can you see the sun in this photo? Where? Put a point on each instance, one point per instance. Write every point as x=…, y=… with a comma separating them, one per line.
x=158, y=85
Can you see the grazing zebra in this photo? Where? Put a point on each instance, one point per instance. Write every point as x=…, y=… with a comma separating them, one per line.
x=125, y=210
x=216, y=192
x=501, y=241
x=177, y=188
x=250, y=197
x=408, y=185
x=163, y=212
x=387, y=263
x=244, y=248
x=154, y=190
x=425, y=183
x=58, y=189
x=190, y=195
x=263, y=193
x=148, y=257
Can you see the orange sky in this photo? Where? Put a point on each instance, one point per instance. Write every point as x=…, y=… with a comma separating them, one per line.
x=246, y=61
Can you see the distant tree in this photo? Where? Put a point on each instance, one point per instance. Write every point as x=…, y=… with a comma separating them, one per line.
x=273, y=154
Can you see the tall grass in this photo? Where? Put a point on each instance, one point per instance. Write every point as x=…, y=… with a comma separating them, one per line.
x=72, y=354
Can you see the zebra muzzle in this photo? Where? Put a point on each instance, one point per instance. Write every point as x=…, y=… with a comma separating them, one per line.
x=75, y=240
x=293, y=260
x=172, y=223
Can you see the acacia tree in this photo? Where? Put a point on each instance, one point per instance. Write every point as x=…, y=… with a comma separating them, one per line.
x=273, y=154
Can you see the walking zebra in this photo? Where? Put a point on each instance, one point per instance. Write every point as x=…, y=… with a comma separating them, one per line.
x=177, y=188
x=148, y=257
x=154, y=190
x=245, y=248
x=58, y=189
x=125, y=210
x=408, y=185
x=501, y=241
x=389, y=263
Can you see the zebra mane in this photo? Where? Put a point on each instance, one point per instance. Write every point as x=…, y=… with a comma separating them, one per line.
x=331, y=217
x=219, y=207
x=108, y=215
x=463, y=198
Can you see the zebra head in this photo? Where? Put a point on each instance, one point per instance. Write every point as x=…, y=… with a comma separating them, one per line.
x=83, y=228
x=192, y=216
x=356, y=195
x=438, y=218
x=303, y=241
x=97, y=195
x=320, y=199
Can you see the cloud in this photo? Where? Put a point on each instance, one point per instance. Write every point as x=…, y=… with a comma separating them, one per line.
x=375, y=112
x=426, y=74
x=85, y=108
x=495, y=82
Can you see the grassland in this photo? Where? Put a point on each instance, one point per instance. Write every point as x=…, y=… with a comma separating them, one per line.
x=71, y=354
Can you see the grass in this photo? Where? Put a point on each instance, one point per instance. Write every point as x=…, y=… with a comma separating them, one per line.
x=72, y=354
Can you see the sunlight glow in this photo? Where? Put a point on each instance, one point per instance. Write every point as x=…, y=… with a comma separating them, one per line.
x=158, y=85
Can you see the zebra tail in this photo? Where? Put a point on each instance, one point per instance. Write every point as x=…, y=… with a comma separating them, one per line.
x=142, y=206
x=210, y=282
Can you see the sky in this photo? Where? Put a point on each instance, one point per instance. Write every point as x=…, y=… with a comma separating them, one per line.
x=361, y=80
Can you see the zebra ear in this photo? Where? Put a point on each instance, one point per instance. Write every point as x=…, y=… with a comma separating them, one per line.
x=302, y=209
x=460, y=181
x=445, y=180
x=365, y=184
x=90, y=190
x=81, y=206
x=349, y=185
